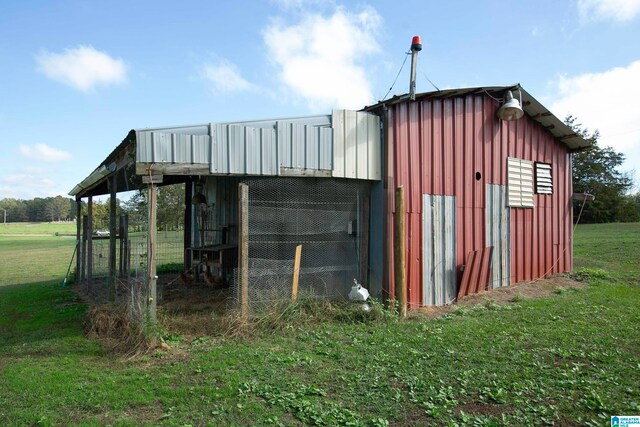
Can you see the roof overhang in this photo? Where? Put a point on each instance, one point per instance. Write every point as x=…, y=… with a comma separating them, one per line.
x=531, y=106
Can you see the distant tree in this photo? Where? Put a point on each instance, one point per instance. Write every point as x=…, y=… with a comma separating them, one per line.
x=171, y=207
x=629, y=210
x=57, y=208
x=596, y=171
x=169, y=202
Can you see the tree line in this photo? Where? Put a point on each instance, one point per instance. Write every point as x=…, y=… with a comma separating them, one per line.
x=170, y=213
x=597, y=171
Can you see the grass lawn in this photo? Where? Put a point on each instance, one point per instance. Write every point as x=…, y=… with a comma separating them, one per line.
x=31, y=259
x=569, y=359
x=50, y=228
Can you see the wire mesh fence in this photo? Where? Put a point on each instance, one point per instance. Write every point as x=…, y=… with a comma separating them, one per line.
x=325, y=217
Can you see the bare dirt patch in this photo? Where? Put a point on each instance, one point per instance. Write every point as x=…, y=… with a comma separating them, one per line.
x=535, y=289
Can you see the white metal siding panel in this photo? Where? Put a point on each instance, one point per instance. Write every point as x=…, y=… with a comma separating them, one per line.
x=362, y=149
x=284, y=144
x=298, y=136
x=254, y=151
x=375, y=165
x=338, y=143
x=498, y=234
x=236, y=150
x=439, y=249
x=269, y=162
x=326, y=152
x=350, y=144
x=312, y=147
x=182, y=148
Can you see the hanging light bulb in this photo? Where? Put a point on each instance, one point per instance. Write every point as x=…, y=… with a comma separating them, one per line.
x=511, y=109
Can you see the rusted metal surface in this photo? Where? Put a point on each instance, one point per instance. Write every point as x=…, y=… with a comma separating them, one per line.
x=475, y=277
x=456, y=146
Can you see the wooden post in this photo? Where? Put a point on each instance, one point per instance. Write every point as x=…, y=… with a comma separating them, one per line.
x=83, y=262
x=399, y=255
x=90, y=241
x=121, y=244
x=78, y=236
x=152, y=252
x=112, y=238
x=364, y=243
x=296, y=273
x=188, y=196
x=127, y=247
x=243, y=249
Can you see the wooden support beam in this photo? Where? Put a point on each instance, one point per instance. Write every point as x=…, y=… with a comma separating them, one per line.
x=173, y=169
x=90, y=241
x=152, y=253
x=243, y=249
x=111, y=281
x=296, y=273
x=83, y=262
x=121, y=245
x=188, y=209
x=364, y=243
x=78, y=236
x=127, y=247
x=399, y=255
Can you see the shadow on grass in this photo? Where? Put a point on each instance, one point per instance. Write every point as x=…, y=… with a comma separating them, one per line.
x=42, y=319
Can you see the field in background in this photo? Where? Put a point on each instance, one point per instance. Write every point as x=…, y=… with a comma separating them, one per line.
x=569, y=359
x=33, y=252
x=48, y=228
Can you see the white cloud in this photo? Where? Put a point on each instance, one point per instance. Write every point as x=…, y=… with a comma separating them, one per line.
x=617, y=10
x=605, y=101
x=321, y=58
x=44, y=153
x=224, y=76
x=82, y=67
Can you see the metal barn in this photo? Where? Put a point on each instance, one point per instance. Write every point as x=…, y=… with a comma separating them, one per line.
x=485, y=195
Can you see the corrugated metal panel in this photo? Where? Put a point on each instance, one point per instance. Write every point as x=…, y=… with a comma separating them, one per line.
x=356, y=148
x=497, y=235
x=462, y=147
x=475, y=277
x=544, y=183
x=263, y=148
x=439, y=249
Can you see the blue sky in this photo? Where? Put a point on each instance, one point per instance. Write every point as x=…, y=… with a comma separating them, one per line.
x=76, y=76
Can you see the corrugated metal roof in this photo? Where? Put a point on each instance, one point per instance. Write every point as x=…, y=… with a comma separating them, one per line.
x=345, y=144
x=531, y=106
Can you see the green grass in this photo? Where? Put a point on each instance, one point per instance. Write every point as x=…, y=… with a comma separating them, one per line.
x=29, y=259
x=50, y=228
x=570, y=359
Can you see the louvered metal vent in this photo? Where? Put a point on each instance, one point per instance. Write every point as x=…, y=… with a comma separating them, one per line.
x=520, y=183
x=544, y=183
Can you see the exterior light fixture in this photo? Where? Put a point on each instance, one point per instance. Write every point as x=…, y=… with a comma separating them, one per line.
x=511, y=109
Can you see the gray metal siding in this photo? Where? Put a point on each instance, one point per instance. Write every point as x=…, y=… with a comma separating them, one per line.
x=498, y=234
x=264, y=148
x=439, y=249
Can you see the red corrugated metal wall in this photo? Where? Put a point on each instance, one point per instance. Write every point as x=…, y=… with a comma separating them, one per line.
x=437, y=146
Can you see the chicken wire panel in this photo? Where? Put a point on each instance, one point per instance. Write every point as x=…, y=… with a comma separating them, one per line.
x=319, y=214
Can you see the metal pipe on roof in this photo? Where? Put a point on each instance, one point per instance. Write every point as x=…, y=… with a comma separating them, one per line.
x=416, y=46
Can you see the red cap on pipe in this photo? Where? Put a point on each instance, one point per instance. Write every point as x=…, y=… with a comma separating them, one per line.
x=416, y=43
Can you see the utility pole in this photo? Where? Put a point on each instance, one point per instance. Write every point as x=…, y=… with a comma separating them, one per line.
x=5, y=216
